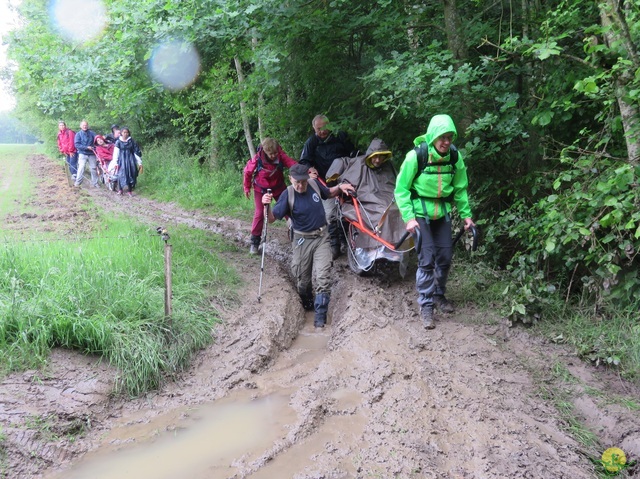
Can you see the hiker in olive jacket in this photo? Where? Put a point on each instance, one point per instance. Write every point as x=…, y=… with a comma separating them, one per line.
x=425, y=197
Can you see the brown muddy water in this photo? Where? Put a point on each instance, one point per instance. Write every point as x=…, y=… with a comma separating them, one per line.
x=205, y=442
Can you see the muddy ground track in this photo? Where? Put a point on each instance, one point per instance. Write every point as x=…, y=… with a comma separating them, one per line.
x=371, y=395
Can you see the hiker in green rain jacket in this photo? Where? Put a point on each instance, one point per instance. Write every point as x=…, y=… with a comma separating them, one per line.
x=425, y=198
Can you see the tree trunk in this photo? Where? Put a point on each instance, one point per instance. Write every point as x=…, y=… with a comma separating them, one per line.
x=455, y=36
x=243, y=110
x=457, y=46
x=214, y=159
x=254, y=44
x=617, y=32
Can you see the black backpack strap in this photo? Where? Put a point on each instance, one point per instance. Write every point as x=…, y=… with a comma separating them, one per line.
x=423, y=162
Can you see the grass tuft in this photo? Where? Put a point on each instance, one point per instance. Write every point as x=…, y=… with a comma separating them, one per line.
x=105, y=295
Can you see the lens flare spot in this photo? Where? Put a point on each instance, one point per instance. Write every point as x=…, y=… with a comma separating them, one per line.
x=78, y=21
x=175, y=64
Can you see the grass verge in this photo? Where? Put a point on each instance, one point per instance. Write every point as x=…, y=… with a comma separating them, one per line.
x=16, y=184
x=613, y=341
x=169, y=175
x=105, y=295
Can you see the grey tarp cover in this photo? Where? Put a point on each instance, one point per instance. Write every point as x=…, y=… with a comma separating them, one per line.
x=374, y=188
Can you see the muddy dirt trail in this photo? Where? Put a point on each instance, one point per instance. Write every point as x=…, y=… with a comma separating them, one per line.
x=373, y=395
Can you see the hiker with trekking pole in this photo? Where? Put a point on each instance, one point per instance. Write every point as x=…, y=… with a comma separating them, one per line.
x=302, y=203
x=264, y=171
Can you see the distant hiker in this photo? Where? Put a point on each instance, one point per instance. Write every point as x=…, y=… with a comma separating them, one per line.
x=110, y=138
x=83, y=142
x=67, y=148
x=311, y=247
x=264, y=171
x=128, y=156
x=318, y=152
x=425, y=195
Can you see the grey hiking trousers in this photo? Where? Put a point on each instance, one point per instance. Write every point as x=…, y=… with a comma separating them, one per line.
x=434, y=260
x=312, y=252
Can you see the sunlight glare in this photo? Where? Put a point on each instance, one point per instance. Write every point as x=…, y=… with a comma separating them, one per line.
x=78, y=20
x=175, y=64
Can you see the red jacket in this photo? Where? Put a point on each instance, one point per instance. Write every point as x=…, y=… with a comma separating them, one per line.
x=65, y=141
x=263, y=173
x=105, y=152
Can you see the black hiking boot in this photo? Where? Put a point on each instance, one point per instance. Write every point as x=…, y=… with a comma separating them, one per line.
x=321, y=305
x=443, y=305
x=428, y=318
x=255, y=244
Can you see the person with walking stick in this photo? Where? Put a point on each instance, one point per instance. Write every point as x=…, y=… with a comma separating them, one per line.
x=302, y=202
x=264, y=170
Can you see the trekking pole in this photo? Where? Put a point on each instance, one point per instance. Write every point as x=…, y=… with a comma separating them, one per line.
x=264, y=243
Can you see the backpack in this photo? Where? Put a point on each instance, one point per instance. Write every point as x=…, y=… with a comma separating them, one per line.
x=423, y=163
x=279, y=166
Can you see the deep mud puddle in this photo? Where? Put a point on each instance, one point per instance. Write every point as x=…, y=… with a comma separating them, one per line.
x=205, y=442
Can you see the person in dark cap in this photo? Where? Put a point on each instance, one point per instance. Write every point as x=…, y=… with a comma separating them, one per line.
x=302, y=202
x=111, y=138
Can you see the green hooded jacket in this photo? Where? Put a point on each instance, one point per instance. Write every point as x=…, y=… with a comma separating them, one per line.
x=435, y=191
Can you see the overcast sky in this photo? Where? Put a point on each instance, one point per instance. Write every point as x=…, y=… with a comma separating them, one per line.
x=7, y=22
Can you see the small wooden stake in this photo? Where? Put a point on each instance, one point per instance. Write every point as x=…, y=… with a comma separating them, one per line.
x=167, y=283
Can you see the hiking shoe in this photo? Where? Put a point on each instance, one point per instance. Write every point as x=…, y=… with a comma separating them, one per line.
x=427, y=317
x=443, y=304
x=253, y=249
x=335, y=251
x=318, y=324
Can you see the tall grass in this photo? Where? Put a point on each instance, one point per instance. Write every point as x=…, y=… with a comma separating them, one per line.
x=105, y=296
x=170, y=175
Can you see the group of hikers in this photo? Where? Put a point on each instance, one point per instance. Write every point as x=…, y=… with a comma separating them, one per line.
x=432, y=178
x=116, y=154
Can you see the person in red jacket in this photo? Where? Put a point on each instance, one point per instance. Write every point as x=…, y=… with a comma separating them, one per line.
x=67, y=148
x=264, y=171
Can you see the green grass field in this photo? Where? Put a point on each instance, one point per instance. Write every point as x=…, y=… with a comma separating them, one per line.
x=16, y=182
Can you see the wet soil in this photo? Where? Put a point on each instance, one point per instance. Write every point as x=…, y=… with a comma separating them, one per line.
x=373, y=395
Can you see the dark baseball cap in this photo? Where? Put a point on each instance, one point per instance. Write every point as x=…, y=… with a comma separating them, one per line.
x=299, y=172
